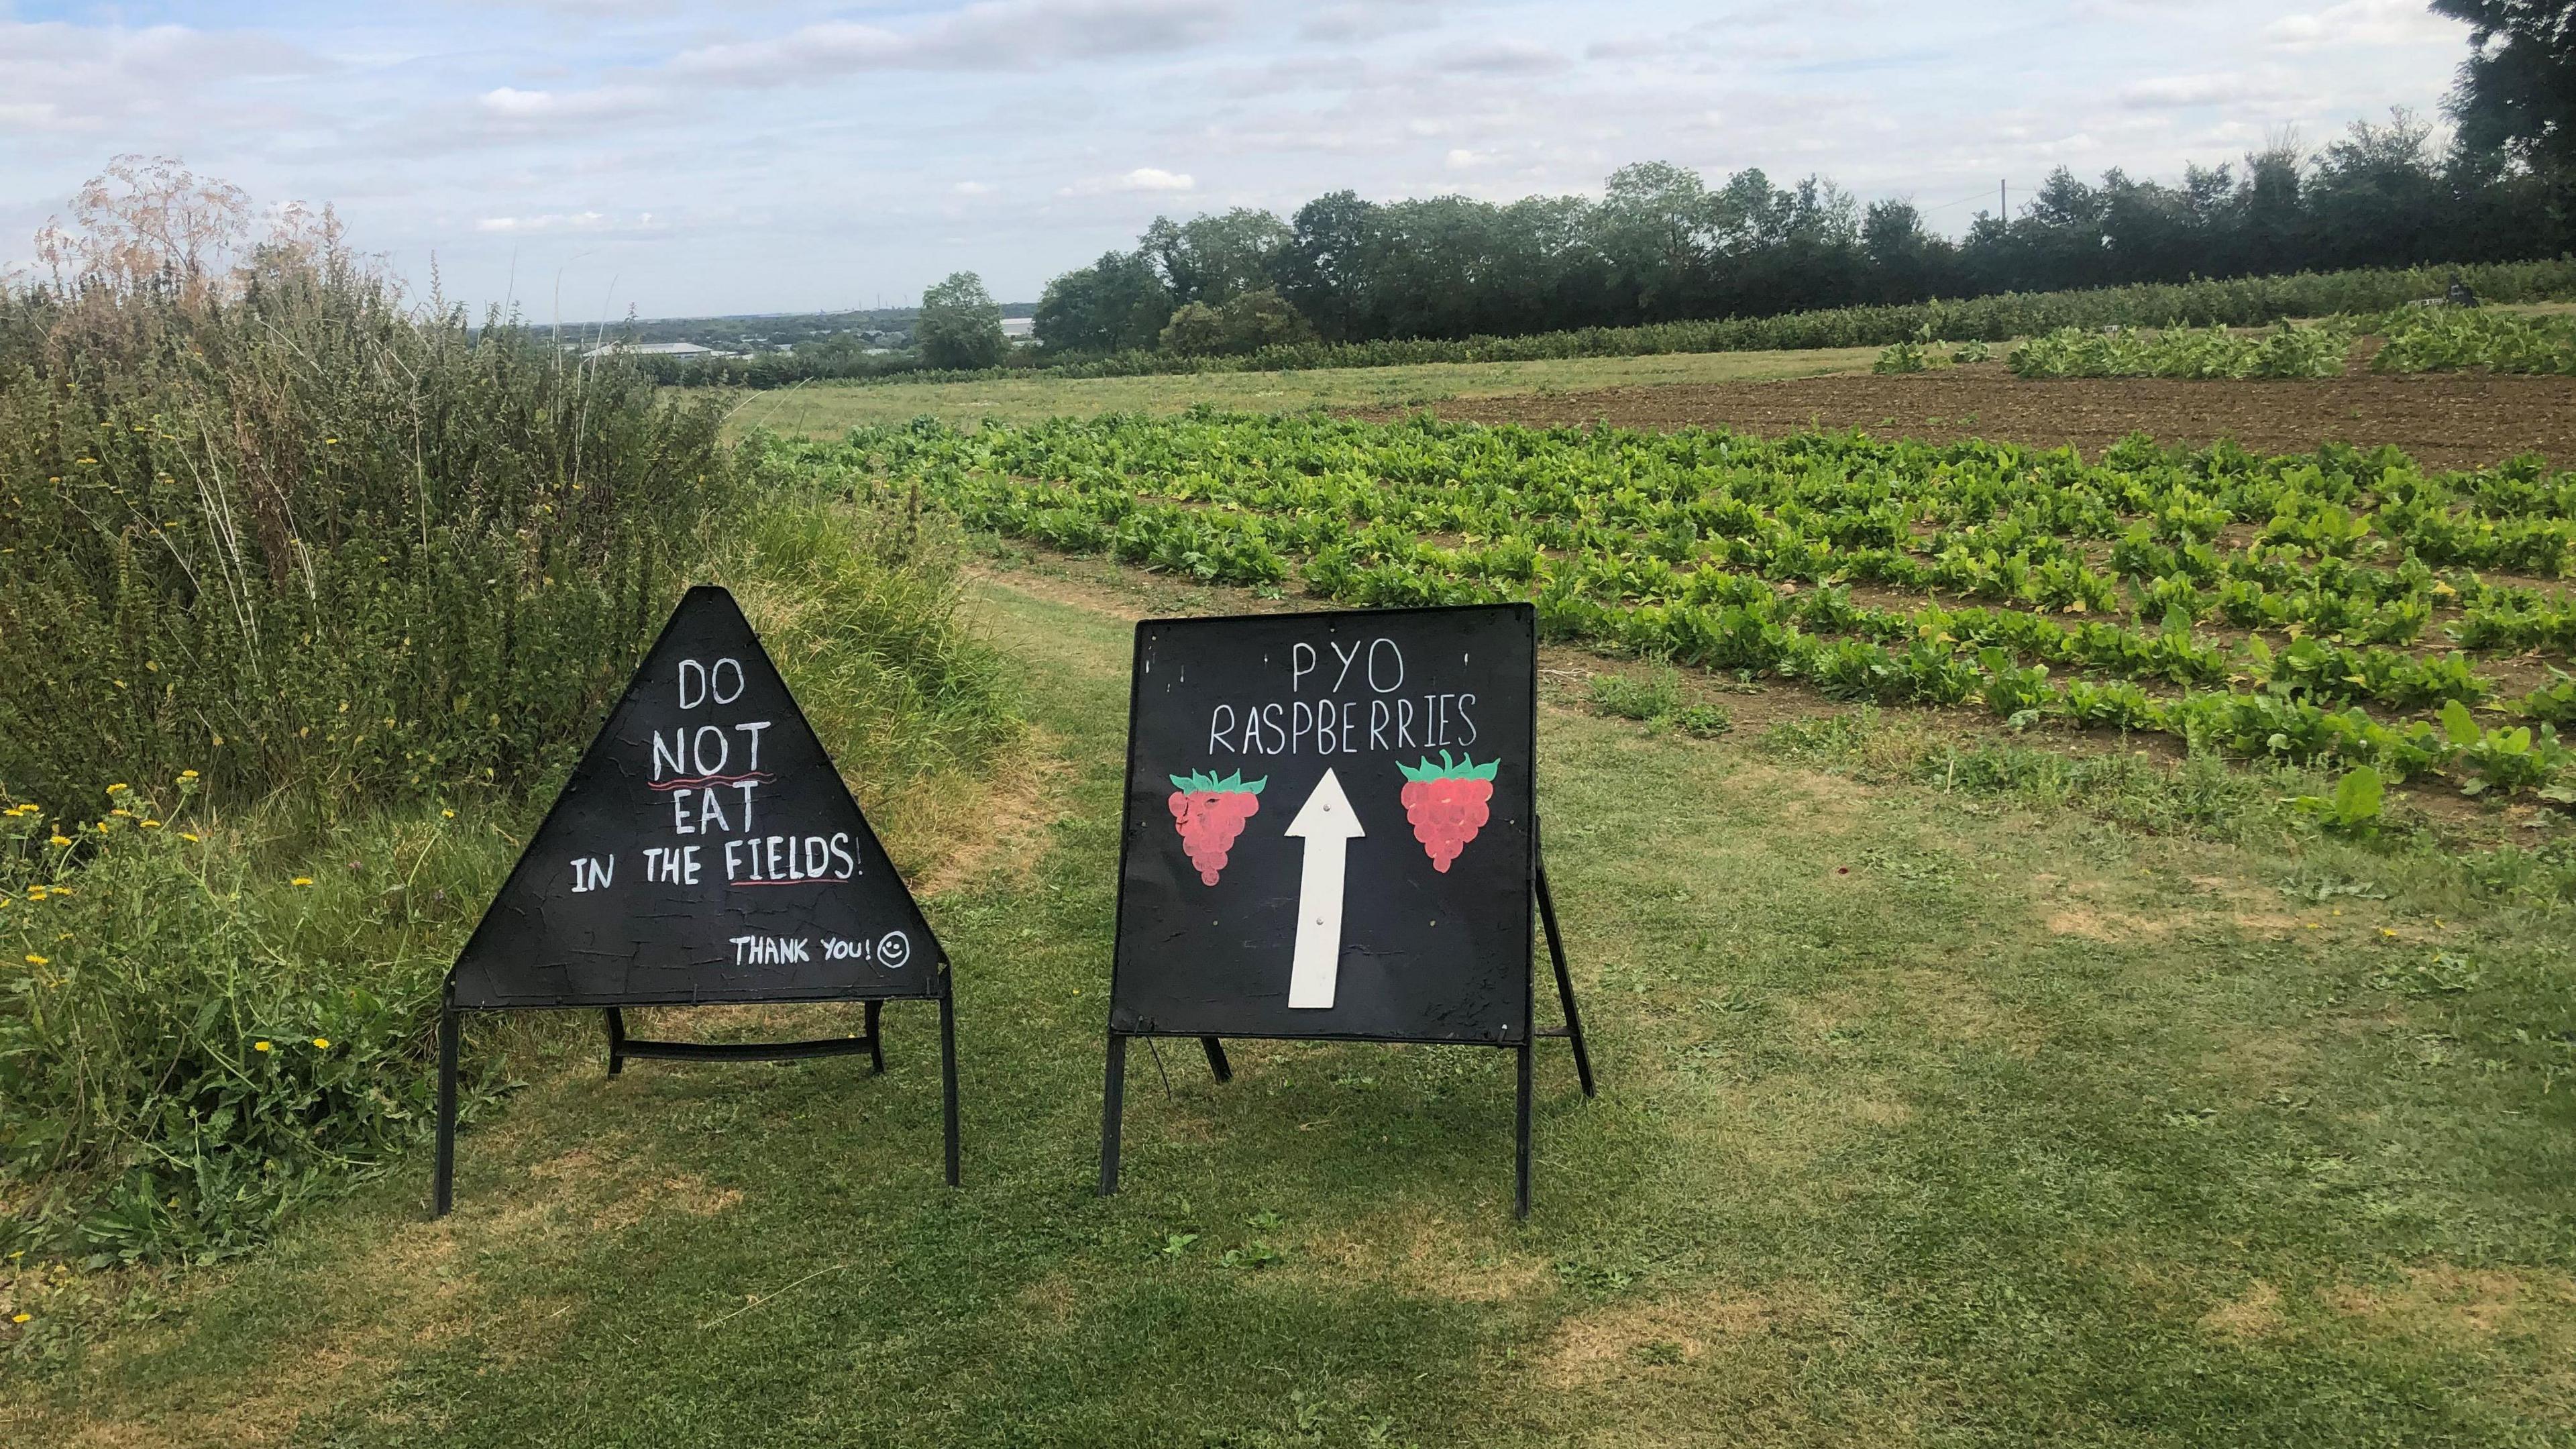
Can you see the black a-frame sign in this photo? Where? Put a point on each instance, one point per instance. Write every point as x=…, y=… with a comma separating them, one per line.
x=1331, y=833
x=705, y=850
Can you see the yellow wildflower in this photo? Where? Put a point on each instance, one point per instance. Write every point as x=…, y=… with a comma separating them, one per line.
x=447, y=814
x=151, y=824
x=117, y=787
x=191, y=839
x=259, y=1046
x=35, y=960
x=323, y=1042
x=187, y=774
x=20, y=1317
x=59, y=839
x=302, y=880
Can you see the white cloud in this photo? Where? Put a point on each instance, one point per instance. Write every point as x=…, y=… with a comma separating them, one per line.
x=513, y=107
x=974, y=188
x=1342, y=24
x=2228, y=87
x=56, y=76
x=1143, y=178
x=2363, y=22
x=564, y=221
x=1503, y=57
x=991, y=35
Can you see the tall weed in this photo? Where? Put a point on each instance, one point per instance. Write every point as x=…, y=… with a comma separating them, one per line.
x=306, y=538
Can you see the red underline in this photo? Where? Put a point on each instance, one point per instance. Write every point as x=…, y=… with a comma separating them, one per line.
x=711, y=780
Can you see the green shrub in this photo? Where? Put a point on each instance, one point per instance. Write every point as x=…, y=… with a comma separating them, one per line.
x=1703, y=721
x=2353, y=808
x=1639, y=697
x=1658, y=699
x=204, y=1023
x=1902, y=357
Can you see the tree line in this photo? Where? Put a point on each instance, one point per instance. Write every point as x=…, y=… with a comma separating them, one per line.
x=1663, y=245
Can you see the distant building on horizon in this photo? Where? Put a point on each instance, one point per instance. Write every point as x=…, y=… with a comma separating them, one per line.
x=683, y=351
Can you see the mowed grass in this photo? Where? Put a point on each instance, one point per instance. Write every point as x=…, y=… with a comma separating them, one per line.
x=1923, y=1119
x=827, y=409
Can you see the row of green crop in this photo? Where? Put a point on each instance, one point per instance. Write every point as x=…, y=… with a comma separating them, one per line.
x=1970, y=520
x=1693, y=545
x=2441, y=339
x=1931, y=655
x=2210, y=352
x=2414, y=339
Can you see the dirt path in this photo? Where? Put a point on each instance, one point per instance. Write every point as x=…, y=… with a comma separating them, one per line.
x=2445, y=420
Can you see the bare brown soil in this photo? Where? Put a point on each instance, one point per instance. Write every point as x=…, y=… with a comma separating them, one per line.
x=2450, y=420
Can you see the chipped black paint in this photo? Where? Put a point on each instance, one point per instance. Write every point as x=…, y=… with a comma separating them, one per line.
x=1425, y=954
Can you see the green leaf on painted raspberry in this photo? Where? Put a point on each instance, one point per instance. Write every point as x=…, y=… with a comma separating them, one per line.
x=1198, y=781
x=1464, y=769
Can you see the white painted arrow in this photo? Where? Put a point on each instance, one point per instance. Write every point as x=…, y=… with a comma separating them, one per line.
x=1327, y=824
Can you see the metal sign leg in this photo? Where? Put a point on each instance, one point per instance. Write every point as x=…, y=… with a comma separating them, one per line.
x=1217, y=1063
x=616, y=1040
x=1112, y=1099
x=1564, y=981
x=947, y=1073
x=876, y=1043
x=1521, y=1193
x=442, y=1193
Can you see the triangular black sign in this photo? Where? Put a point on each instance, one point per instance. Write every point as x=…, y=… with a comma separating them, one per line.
x=704, y=850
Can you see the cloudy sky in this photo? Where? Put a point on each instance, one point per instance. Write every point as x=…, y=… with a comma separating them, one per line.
x=685, y=157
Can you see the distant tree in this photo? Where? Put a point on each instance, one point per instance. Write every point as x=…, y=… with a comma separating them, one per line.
x=1909, y=261
x=1655, y=226
x=960, y=325
x=1322, y=269
x=2517, y=90
x=1116, y=303
x=1662, y=243
x=2376, y=198
x=1214, y=258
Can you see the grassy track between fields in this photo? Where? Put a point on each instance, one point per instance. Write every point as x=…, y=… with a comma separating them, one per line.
x=1924, y=1119
x=827, y=410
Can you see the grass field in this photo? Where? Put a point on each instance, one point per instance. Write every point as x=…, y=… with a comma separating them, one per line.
x=826, y=410
x=1925, y=1118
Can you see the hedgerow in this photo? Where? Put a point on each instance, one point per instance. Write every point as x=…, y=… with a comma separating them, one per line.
x=2234, y=302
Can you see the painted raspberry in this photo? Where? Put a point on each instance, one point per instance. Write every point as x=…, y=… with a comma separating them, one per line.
x=1209, y=813
x=1448, y=803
